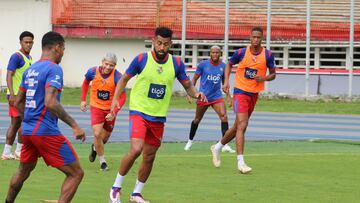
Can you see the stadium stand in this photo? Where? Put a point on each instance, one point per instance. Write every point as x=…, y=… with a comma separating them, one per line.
x=205, y=26
x=205, y=18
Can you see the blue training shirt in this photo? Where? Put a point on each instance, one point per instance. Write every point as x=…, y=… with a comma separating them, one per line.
x=37, y=119
x=16, y=61
x=211, y=77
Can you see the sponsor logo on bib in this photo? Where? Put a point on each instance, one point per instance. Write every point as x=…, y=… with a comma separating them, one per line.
x=157, y=91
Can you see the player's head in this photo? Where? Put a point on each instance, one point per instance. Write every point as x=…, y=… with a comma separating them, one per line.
x=256, y=36
x=162, y=42
x=109, y=62
x=26, y=41
x=54, y=44
x=215, y=53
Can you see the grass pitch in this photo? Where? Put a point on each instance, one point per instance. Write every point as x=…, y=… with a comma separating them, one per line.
x=288, y=171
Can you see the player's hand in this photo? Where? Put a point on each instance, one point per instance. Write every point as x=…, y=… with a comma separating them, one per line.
x=114, y=105
x=201, y=96
x=110, y=116
x=229, y=100
x=12, y=99
x=259, y=78
x=226, y=87
x=189, y=99
x=83, y=106
x=79, y=133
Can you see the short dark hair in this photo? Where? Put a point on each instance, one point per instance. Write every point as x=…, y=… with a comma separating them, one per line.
x=26, y=34
x=164, y=32
x=51, y=38
x=257, y=29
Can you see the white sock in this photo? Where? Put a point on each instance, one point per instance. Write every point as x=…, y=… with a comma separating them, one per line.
x=218, y=146
x=18, y=147
x=138, y=187
x=94, y=148
x=7, y=149
x=118, y=181
x=102, y=159
x=240, y=159
x=191, y=141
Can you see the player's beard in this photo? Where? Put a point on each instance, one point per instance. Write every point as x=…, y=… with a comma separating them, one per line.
x=160, y=57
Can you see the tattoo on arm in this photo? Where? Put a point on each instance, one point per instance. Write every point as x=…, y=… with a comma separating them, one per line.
x=55, y=107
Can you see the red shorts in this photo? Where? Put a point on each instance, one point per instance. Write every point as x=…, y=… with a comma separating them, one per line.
x=201, y=103
x=98, y=116
x=56, y=150
x=13, y=112
x=151, y=132
x=244, y=103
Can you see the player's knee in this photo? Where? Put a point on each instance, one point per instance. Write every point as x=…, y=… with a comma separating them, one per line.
x=80, y=173
x=97, y=134
x=135, y=151
x=223, y=118
x=149, y=159
x=242, y=125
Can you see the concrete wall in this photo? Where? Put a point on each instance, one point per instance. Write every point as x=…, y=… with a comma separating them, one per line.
x=81, y=54
x=17, y=16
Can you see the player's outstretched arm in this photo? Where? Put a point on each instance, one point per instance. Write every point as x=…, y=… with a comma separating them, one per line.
x=192, y=91
x=52, y=104
x=115, y=106
x=84, y=91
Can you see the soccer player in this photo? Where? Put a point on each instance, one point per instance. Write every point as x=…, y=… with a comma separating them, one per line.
x=103, y=82
x=211, y=72
x=149, y=103
x=38, y=101
x=18, y=63
x=253, y=62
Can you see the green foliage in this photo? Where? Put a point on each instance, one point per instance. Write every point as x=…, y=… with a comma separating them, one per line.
x=71, y=96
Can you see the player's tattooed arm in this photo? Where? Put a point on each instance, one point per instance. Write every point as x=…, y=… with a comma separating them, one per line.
x=55, y=107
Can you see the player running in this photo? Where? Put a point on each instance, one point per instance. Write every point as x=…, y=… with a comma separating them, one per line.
x=149, y=103
x=251, y=74
x=103, y=83
x=211, y=74
x=38, y=101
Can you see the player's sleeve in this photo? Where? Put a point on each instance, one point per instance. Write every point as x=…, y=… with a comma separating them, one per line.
x=199, y=69
x=180, y=71
x=137, y=65
x=55, y=77
x=84, y=89
x=237, y=56
x=90, y=74
x=14, y=62
x=117, y=76
x=270, y=59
